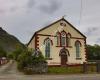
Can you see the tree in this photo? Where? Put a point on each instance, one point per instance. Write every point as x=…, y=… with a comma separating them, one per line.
x=3, y=53
x=93, y=52
x=32, y=61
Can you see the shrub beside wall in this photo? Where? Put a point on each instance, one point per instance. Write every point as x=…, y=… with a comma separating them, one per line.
x=31, y=62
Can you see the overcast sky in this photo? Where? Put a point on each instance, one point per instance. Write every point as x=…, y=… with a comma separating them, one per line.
x=22, y=18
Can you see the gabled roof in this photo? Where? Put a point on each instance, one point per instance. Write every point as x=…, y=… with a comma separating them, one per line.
x=55, y=23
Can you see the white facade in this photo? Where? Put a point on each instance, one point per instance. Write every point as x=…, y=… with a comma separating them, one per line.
x=60, y=43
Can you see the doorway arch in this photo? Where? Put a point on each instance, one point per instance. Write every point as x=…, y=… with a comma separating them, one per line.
x=64, y=53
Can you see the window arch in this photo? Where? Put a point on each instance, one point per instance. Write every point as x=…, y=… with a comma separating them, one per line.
x=48, y=43
x=63, y=38
x=78, y=45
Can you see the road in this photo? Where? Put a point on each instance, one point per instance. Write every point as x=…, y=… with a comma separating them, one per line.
x=10, y=72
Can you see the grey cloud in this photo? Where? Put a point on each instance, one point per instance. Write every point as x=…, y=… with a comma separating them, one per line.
x=30, y=3
x=13, y=9
x=90, y=31
x=98, y=40
x=2, y=11
x=51, y=8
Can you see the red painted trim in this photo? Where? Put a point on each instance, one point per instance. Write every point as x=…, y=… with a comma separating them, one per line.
x=63, y=32
x=78, y=42
x=65, y=50
x=36, y=41
x=53, y=24
x=46, y=35
x=60, y=34
x=49, y=39
x=61, y=37
x=85, y=50
x=66, y=22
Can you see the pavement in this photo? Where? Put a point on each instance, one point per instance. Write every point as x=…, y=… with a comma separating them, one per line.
x=9, y=72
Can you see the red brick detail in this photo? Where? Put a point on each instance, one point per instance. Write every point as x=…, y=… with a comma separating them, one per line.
x=85, y=50
x=49, y=39
x=36, y=41
x=78, y=42
x=55, y=36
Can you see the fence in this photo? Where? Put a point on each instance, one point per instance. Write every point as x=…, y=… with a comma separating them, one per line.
x=87, y=67
x=93, y=65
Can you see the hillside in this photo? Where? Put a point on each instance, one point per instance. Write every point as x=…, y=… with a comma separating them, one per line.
x=9, y=42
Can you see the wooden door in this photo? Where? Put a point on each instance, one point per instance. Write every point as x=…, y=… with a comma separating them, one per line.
x=63, y=59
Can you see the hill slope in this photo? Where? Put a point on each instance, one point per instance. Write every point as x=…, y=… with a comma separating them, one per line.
x=9, y=42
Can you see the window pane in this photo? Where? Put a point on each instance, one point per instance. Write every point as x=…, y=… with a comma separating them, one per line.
x=57, y=40
x=47, y=49
x=77, y=50
x=63, y=40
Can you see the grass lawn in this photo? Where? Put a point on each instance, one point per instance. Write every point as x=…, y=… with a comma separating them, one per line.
x=64, y=70
x=70, y=70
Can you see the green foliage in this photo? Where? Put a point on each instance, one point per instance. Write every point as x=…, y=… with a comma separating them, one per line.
x=10, y=55
x=71, y=70
x=26, y=59
x=3, y=53
x=39, y=58
x=93, y=52
x=16, y=53
x=65, y=70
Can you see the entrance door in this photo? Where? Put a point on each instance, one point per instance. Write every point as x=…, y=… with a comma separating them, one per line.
x=63, y=59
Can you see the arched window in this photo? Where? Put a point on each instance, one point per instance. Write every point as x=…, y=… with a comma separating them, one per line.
x=47, y=49
x=63, y=38
x=48, y=44
x=78, y=45
x=68, y=39
x=58, y=38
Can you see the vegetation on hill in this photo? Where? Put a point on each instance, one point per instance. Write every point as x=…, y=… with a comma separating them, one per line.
x=8, y=42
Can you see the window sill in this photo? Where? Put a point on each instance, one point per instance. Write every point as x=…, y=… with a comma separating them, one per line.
x=48, y=58
x=78, y=58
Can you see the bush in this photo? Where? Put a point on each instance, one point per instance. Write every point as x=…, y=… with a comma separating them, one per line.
x=93, y=52
x=16, y=53
x=24, y=59
x=29, y=60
